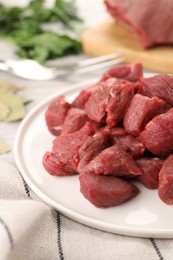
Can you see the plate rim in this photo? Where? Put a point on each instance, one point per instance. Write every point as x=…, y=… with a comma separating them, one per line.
x=88, y=221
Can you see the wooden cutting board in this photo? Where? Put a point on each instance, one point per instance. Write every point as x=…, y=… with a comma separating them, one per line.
x=110, y=37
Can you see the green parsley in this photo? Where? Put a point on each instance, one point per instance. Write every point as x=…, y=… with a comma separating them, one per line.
x=23, y=26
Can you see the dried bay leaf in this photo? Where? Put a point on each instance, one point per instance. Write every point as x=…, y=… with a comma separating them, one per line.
x=7, y=86
x=11, y=105
x=15, y=104
x=4, y=147
x=4, y=111
x=25, y=100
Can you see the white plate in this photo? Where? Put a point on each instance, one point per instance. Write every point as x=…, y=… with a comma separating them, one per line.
x=144, y=216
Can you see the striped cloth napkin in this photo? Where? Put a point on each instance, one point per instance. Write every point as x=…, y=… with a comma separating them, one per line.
x=31, y=230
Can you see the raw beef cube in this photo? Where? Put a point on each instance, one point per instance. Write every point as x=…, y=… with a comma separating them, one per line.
x=112, y=97
x=131, y=144
x=165, y=189
x=75, y=119
x=92, y=146
x=55, y=114
x=141, y=110
x=150, y=171
x=59, y=161
x=113, y=161
x=116, y=131
x=81, y=99
x=121, y=93
x=131, y=72
x=56, y=166
x=106, y=191
x=158, y=134
x=144, y=18
x=160, y=86
x=96, y=105
x=83, y=96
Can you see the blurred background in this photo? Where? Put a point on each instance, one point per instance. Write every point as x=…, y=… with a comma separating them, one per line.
x=91, y=11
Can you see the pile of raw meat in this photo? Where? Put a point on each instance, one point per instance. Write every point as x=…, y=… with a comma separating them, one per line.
x=151, y=20
x=114, y=134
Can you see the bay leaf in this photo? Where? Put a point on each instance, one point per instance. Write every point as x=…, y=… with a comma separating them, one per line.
x=25, y=100
x=15, y=104
x=7, y=86
x=4, y=111
x=4, y=147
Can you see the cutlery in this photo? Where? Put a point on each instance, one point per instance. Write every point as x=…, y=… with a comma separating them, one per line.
x=32, y=70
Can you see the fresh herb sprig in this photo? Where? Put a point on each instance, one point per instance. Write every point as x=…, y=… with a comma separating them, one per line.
x=23, y=26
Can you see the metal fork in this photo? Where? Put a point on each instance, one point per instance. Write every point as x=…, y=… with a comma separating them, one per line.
x=32, y=70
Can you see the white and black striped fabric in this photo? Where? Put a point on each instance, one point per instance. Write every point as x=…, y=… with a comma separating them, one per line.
x=30, y=229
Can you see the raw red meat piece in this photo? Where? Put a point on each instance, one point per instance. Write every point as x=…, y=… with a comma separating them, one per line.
x=165, y=189
x=131, y=72
x=158, y=134
x=83, y=97
x=131, y=144
x=75, y=119
x=59, y=161
x=141, y=110
x=96, y=105
x=120, y=95
x=115, y=131
x=112, y=97
x=150, y=171
x=56, y=166
x=113, y=161
x=144, y=17
x=160, y=86
x=55, y=114
x=92, y=146
x=104, y=191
